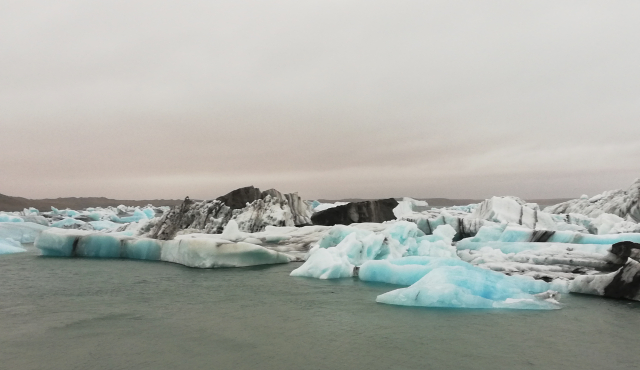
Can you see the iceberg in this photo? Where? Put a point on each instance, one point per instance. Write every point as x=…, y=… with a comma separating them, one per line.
x=194, y=252
x=472, y=287
x=68, y=223
x=325, y=264
x=9, y=246
x=6, y=217
x=209, y=253
x=137, y=216
x=622, y=203
x=267, y=208
x=403, y=271
x=22, y=232
x=407, y=206
x=346, y=247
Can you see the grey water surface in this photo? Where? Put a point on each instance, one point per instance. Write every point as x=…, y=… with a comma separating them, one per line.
x=85, y=314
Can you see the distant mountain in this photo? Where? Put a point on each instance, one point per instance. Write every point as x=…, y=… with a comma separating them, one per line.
x=8, y=203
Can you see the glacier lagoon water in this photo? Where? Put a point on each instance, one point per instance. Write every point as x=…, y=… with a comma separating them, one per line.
x=58, y=313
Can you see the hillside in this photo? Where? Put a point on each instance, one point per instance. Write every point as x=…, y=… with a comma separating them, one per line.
x=9, y=203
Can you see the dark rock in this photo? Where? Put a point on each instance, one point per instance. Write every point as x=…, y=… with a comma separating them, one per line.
x=626, y=250
x=239, y=198
x=625, y=282
x=270, y=208
x=170, y=223
x=369, y=211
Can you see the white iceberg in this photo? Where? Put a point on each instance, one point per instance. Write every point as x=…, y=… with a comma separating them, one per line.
x=193, y=252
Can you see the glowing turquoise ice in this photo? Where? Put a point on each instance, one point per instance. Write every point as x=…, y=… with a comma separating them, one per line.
x=9, y=246
x=466, y=286
x=404, y=271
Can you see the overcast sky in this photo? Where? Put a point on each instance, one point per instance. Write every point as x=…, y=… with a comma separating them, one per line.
x=332, y=99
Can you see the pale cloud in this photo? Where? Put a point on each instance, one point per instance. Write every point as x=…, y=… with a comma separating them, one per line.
x=147, y=99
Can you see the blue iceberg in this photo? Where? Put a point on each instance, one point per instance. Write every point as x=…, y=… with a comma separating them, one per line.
x=9, y=246
x=404, y=271
x=467, y=286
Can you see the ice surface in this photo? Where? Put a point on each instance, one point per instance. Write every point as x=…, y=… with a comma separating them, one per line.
x=323, y=206
x=407, y=206
x=471, y=287
x=622, y=283
x=623, y=203
x=325, y=264
x=209, y=253
x=22, y=232
x=137, y=216
x=489, y=233
x=104, y=225
x=68, y=223
x=591, y=284
x=403, y=271
x=7, y=217
x=350, y=246
x=9, y=246
x=518, y=247
x=194, y=252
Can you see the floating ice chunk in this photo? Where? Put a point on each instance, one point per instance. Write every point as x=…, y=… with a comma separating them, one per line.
x=619, y=202
x=143, y=249
x=337, y=233
x=501, y=209
x=407, y=206
x=58, y=242
x=403, y=231
x=99, y=246
x=210, y=253
x=324, y=263
x=195, y=252
x=138, y=215
x=30, y=210
x=232, y=232
x=591, y=284
x=23, y=232
x=489, y=233
x=5, y=217
x=445, y=233
x=68, y=223
x=518, y=247
x=436, y=245
x=399, y=239
x=9, y=246
x=622, y=283
x=104, y=225
x=471, y=287
x=36, y=219
x=516, y=234
x=149, y=212
x=403, y=271
x=606, y=239
x=324, y=206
